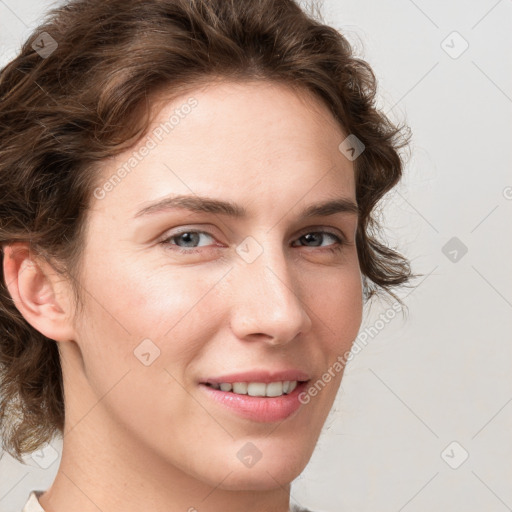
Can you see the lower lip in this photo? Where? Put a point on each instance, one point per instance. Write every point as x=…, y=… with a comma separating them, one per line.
x=258, y=408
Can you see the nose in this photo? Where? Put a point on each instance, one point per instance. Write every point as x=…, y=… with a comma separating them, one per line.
x=267, y=302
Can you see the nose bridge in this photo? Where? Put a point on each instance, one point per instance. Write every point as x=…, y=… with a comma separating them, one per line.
x=268, y=296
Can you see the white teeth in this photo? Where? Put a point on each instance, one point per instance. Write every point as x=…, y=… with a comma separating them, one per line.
x=274, y=389
x=256, y=388
x=271, y=389
x=240, y=388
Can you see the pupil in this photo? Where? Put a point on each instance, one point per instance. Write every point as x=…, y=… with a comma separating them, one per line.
x=309, y=235
x=187, y=235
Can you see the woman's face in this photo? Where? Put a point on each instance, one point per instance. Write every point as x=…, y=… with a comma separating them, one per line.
x=180, y=296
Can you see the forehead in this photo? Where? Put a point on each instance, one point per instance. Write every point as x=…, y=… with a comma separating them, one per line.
x=257, y=115
x=233, y=138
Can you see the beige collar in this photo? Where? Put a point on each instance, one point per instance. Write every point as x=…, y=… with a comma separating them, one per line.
x=32, y=504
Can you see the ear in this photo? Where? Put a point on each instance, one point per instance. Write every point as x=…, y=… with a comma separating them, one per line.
x=41, y=295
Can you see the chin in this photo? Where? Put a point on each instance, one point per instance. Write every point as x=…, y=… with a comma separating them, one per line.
x=264, y=478
x=275, y=468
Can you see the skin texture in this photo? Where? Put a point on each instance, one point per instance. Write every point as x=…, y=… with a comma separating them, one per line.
x=143, y=437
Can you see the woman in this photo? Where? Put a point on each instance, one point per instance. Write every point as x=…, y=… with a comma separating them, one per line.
x=188, y=238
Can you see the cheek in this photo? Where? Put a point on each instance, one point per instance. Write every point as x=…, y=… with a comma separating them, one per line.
x=131, y=303
x=337, y=304
x=133, y=317
x=349, y=309
x=153, y=300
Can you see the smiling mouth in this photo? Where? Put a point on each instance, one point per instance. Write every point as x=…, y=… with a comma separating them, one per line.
x=260, y=389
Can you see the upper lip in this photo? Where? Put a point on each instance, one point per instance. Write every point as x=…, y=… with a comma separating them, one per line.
x=260, y=376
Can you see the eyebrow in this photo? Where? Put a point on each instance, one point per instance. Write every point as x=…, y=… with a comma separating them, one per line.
x=202, y=204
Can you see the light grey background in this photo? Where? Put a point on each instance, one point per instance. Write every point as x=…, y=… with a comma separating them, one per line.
x=443, y=374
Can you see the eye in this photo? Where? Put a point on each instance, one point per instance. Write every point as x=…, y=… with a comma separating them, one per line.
x=187, y=240
x=316, y=236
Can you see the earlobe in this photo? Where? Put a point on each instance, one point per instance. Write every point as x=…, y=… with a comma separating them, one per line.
x=37, y=292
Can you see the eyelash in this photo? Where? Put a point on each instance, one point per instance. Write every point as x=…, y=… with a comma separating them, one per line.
x=337, y=247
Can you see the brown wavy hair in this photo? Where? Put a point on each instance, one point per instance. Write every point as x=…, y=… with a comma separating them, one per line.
x=85, y=99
